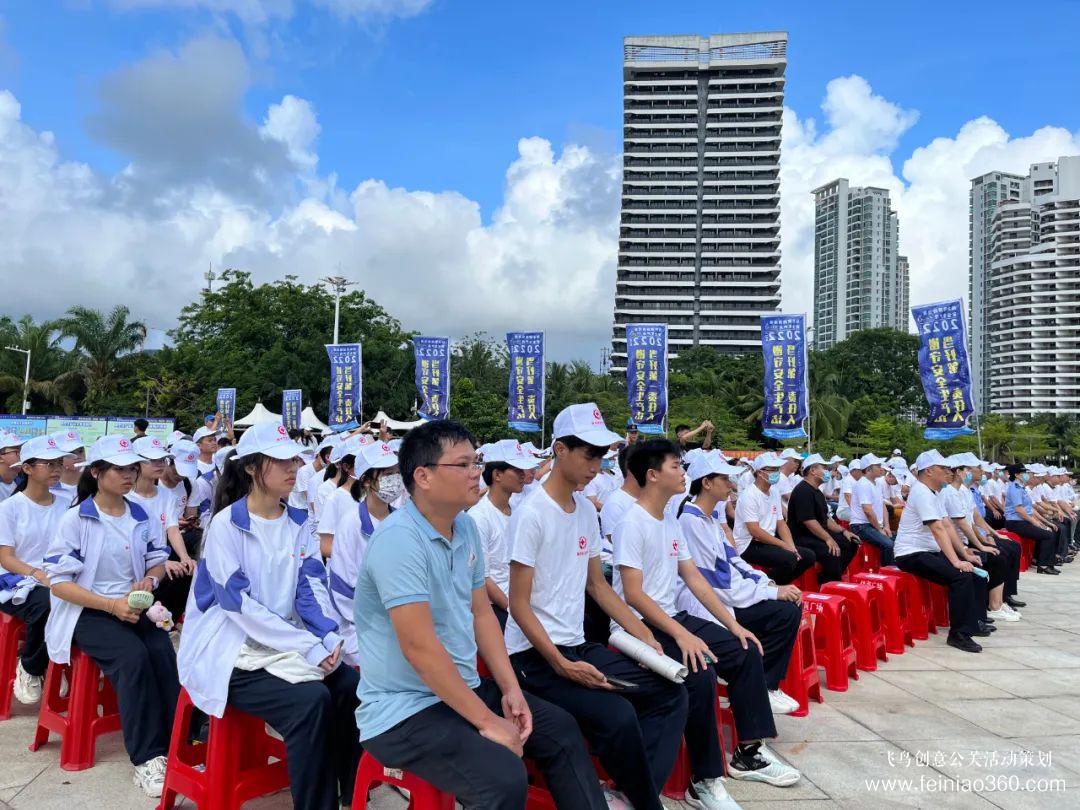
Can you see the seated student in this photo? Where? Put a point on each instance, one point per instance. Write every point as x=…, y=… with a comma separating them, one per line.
x=770, y=612
x=1009, y=550
x=104, y=548
x=925, y=548
x=340, y=493
x=811, y=527
x=9, y=462
x=379, y=480
x=72, y=444
x=992, y=490
x=554, y=560
x=1059, y=513
x=505, y=463
x=847, y=487
x=28, y=521
x=422, y=615
x=1041, y=497
x=617, y=503
x=257, y=635
x=651, y=555
x=298, y=498
x=761, y=537
x=869, y=520
x=1022, y=519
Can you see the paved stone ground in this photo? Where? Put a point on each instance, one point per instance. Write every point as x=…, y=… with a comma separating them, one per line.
x=1022, y=694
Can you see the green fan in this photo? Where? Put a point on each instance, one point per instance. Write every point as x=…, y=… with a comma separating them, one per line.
x=140, y=600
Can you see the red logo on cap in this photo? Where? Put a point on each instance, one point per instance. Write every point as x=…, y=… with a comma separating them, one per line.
x=71, y=434
x=124, y=443
x=596, y=415
x=282, y=431
x=517, y=446
x=51, y=442
x=386, y=448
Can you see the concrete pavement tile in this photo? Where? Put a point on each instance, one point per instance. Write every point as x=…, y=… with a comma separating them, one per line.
x=944, y=685
x=949, y=658
x=916, y=720
x=842, y=770
x=1015, y=717
x=20, y=765
x=824, y=723
x=870, y=688
x=912, y=659
x=1041, y=657
x=1032, y=685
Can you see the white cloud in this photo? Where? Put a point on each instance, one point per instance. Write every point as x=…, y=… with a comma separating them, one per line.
x=293, y=123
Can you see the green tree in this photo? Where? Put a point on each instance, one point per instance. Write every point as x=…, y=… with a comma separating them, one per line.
x=48, y=361
x=101, y=341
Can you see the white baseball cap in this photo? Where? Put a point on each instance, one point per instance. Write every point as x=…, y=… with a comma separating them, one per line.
x=112, y=449
x=374, y=456
x=692, y=455
x=855, y=464
x=869, y=460
x=331, y=441
x=68, y=440
x=531, y=448
x=835, y=459
x=9, y=439
x=896, y=462
x=931, y=458
x=150, y=448
x=174, y=437
x=221, y=456
x=768, y=461
x=203, y=433
x=790, y=453
x=350, y=447
x=711, y=464
x=44, y=448
x=583, y=421
x=269, y=439
x=812, y=459
x=843, y=470
x=509, y=451
x=896, y=451
x=185, y=458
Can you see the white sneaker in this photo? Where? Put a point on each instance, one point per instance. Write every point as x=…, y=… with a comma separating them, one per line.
x=710, y=794
x=1012, y=610
x=150, y=776
x=764, y=767
x=782, y=703
x=1002, y=614
x=616, y=800
x=27, y=687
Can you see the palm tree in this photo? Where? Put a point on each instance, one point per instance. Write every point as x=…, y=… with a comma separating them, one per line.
x=100, y=342
x=47, y=363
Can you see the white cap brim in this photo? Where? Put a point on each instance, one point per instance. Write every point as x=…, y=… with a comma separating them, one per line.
x=46, y=455
x=524, y=463
x=154, y=455
x=282, y=451
x=119, y=460
x=598, y=438
x=187, y=470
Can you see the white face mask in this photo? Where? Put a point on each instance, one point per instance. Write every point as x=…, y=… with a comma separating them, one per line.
x=390, y=487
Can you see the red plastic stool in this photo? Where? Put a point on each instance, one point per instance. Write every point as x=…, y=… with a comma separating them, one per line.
x=808, y=579
x=75, y=718
x=679, y=780
x=1027, y=548
x=422, y=795
x=864, y=603
x=894, y=609
x=539, y=799
x=725, y=723
x=234, y=766
x=834, y=638
x=918, y=611
x=802, y=681
x=937, y=598
x=11, y=633
x=928, y=606
x=871, y=557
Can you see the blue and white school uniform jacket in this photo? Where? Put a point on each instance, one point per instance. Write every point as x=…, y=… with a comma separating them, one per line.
x=225, y=606
x=732, y=578
x=74, y=554
x=354, y=530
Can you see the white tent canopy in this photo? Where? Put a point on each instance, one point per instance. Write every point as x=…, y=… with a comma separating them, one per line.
x=310, y=421
x=259, y=414
x=394, y=424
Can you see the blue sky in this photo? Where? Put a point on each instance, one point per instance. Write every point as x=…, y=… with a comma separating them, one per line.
x=438, y=100
x=460, y=160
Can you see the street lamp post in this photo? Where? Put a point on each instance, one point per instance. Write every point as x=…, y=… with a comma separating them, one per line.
x=338, y=284
x=26, y=376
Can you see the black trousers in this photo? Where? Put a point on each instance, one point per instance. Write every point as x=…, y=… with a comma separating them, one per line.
x=776, y=625
x=173, y=593
x=782, y=566
x=967, y=591
x=1045, y=540
x=997, y=568
x=832, y=568
x=501, y=615
x=742, y=671
x=139, y=661
x=1064, y=536
x=636, y=733
x=440, y=746
x=34, y=613
x=317, y=720
x=994, y=521
x=1010, y=550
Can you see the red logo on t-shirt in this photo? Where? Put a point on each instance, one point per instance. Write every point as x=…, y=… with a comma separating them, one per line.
x=582, y=543
x=674, y=547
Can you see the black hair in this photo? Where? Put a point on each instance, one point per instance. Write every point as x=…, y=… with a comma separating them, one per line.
x=624, y=456
x=697, y=484
x=88, y=483
x=1014, y=471
x=493, y=467
x=805, y=468
x=423, y=446
x=324, y=454
x=141, y=424
x=681, y=427
x=651, y=455
x=573, y=443
x=21, y=480
x=235, y=482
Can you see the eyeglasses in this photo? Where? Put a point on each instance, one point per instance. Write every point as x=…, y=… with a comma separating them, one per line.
x=463, y=465
x=52, y=464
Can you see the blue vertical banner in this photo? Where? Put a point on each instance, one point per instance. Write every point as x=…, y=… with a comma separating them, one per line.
x=944, y=368
x=787, y=401
x=646, y=375
x=291, y=405
x=346, y=385
x=226, y=404
x=433, y=376
x=526, y=399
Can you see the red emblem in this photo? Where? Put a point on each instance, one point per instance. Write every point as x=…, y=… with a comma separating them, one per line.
x=124, y=443
x=675, y=545
x=282, y=431
x=582, y=542
x=52, y=442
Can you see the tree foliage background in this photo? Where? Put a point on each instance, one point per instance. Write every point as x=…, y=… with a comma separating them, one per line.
x=865, y=392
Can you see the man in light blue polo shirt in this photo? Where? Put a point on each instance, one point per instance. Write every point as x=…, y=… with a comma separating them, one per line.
x=422, y=615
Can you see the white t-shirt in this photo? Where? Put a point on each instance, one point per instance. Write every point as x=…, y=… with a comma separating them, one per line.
x=298, y=496
x=6, y=490
x=160, y=505
x=115, y=571
x=493, y=525
x=913, y=535
x=317, y=480
x=274, y=540
x=557, y=545
x=847, y=486
x=866, y=494
x=601, y=487
x=179, y=497
x=883, y=485
x=202, y=496
x=784, y=486
x=518, y=498
x=610, y=516
x=953, y=502
x=324, y=491
x=334, y=506
x=28, y=527
x=66, y=492
x=655, y=548
x=754, y=506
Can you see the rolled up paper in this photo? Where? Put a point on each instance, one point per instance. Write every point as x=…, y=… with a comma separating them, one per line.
x=647, y=656
x=140, y=600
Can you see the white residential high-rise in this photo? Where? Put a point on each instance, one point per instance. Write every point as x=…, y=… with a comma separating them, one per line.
x=1032, y=301
x=859, y=282
x=988, y=191
x=699, y=241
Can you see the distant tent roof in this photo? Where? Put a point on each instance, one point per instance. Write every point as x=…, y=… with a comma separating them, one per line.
x=258, y=415
x=309, y=420
x=394, y=424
